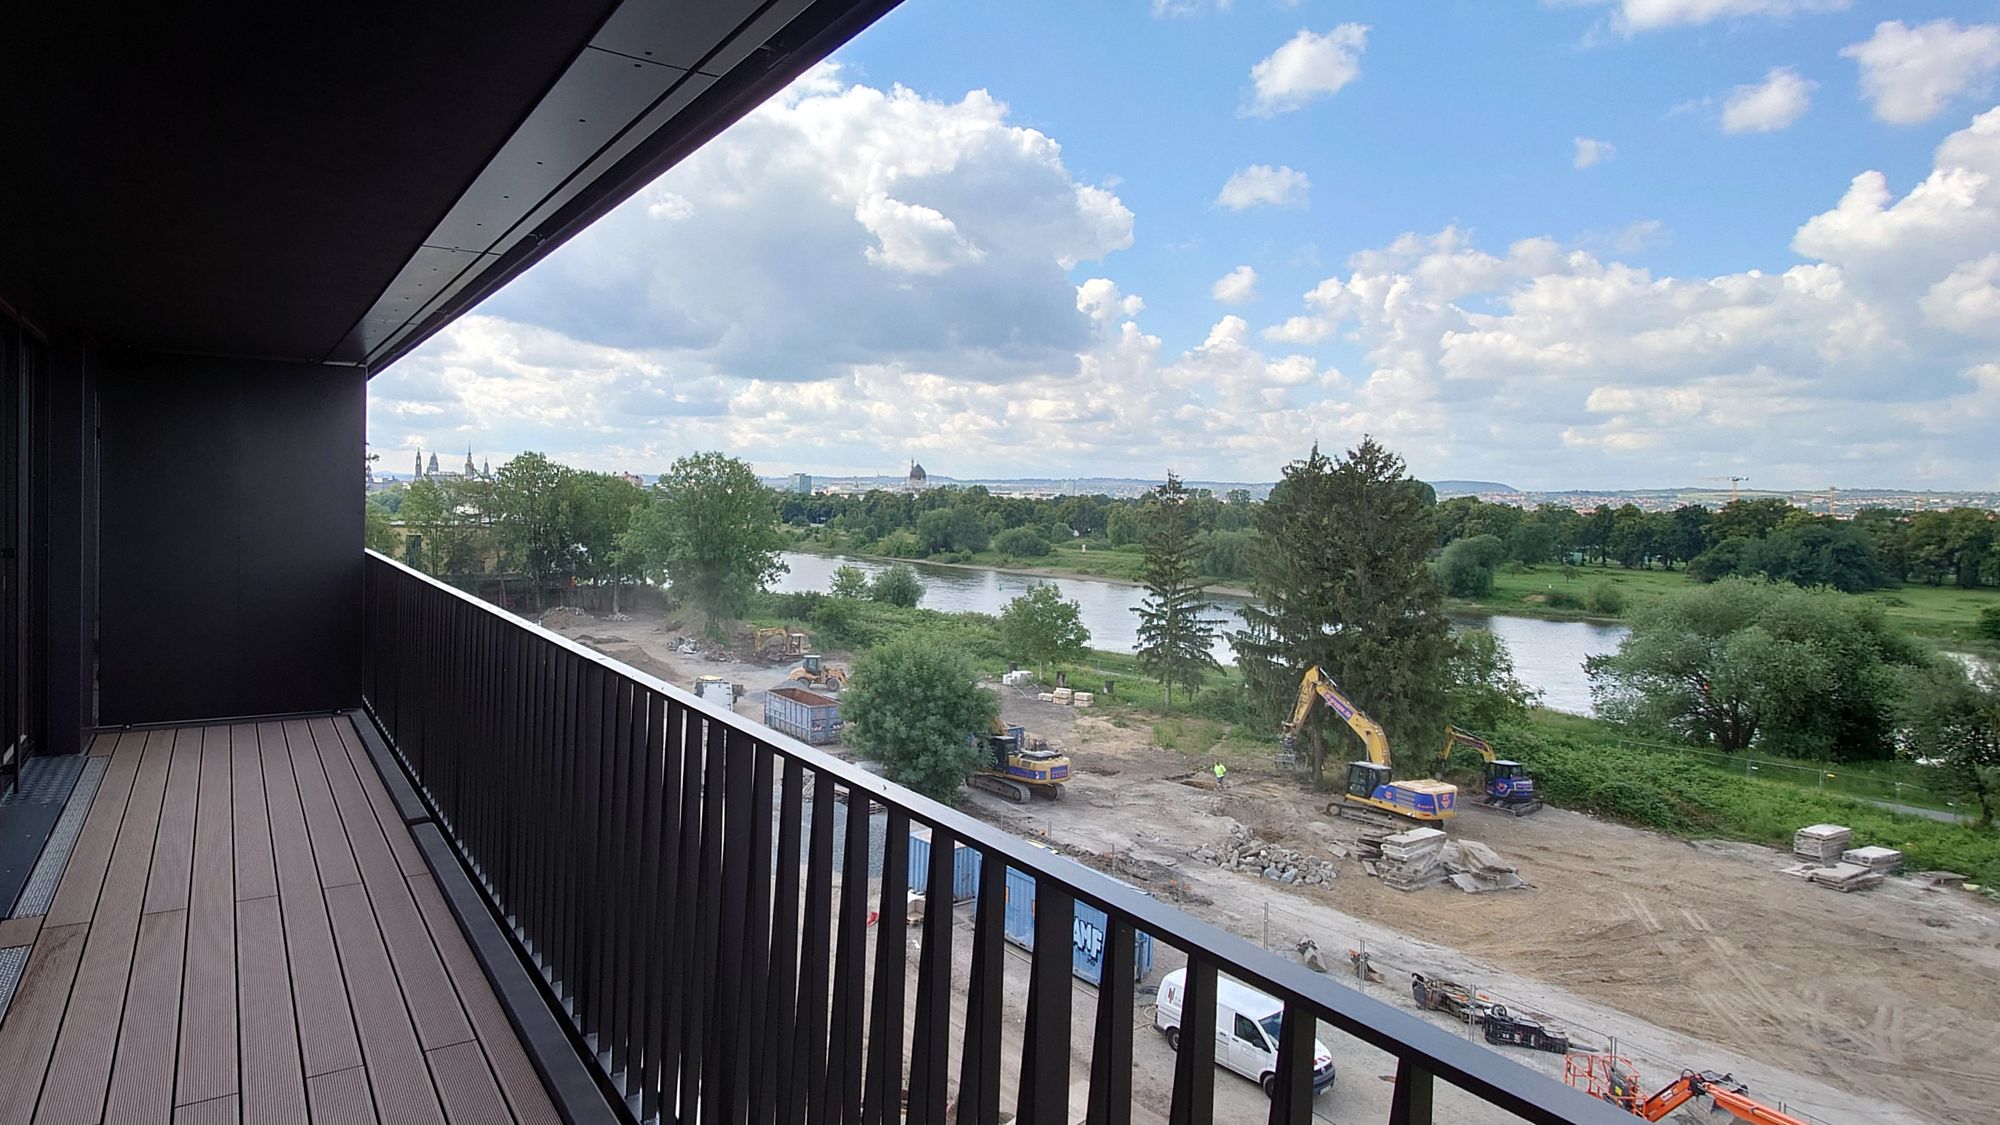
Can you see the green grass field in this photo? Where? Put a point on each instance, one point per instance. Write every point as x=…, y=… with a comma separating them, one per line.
x=1940, y=613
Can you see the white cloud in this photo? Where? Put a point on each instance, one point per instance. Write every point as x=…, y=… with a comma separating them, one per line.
x=913, y=239
x=1261, y=185
x=1173, y=9
x=1237, y=287
x=1653, y=15
x=1591, y=152
x=1912, y=73
x=1768, y=106
x=1306, y=68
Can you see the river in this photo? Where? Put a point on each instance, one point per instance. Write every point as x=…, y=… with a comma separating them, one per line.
x=1548, y=655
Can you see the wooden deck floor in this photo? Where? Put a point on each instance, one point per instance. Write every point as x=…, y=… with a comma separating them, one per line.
x=246, y=932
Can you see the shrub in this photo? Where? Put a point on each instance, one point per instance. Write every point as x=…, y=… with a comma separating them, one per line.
x=1021, y=543
x=1989, y=623
x=1466, y=567
x=914, y=705
x=898, y=586
x=1562, y=599
x=1605, y=598
x=848, y=582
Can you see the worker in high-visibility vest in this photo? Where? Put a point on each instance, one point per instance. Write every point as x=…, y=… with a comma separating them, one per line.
x=1221, y=772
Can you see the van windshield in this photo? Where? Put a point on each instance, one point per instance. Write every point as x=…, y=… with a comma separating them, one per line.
x=1271, y=1024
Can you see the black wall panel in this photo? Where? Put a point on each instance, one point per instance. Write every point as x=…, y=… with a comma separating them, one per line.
x=230, y=537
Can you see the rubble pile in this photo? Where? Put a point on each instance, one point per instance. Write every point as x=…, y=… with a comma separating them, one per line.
x=1273, y=861
x=565, y=617
x=1475, y=868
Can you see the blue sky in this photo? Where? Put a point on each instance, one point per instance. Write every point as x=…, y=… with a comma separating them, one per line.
x=1617, y=244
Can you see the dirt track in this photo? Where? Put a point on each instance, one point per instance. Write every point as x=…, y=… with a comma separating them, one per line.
x=1868, y=1007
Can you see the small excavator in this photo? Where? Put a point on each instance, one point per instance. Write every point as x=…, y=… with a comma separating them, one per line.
x=1612, y=1078
x=1508, y=787
x=1015, y=768
x=1372, y=795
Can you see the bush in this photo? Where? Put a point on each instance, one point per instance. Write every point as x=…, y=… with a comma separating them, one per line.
x=898, y=586
x=1562, y=599
x=1021, y=543
x=1989, y=623
x=848, y=582
x=1465, y=569
x=1605, y=598
x=902, y=544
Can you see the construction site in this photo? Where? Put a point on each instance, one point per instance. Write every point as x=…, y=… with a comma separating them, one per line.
x=1663, y=974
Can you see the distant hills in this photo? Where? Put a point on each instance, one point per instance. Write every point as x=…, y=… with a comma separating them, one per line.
x=1449, y=488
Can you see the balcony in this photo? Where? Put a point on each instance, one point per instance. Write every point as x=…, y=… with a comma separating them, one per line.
x=308, y=836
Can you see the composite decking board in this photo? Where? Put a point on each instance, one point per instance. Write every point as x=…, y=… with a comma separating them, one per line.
x=142, y=1072
x=516, y=1074
x=83, y=876
x=341, y=1098
x=256, y=877
x=216, y=1111
x=329, y=840
x=396, y=1071
x=173, y=846
x=405, y=849
x=433, y=1003
x=273, y=1078
x=101, y=745
x=80, y=1069
x=465, y=1084
x=28, y=1034
x=326, y=1025
x=206, y=1068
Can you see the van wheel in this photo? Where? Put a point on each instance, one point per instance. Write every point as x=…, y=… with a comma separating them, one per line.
x=1270, y=1084
x=1173, y=1039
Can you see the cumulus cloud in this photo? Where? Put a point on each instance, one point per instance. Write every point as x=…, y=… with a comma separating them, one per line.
x=1874, y=347
x=1911, y=74
x=1261, y=185
x=1308, y=67
x=1653, y=15
x=1768, y=106
x=1237, y=287
x=1591, y=152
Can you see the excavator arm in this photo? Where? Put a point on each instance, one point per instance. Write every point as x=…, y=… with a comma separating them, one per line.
x=1730, y=1096
x=1316, y=684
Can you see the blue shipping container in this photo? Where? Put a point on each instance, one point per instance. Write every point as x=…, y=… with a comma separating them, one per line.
x=1086, y=929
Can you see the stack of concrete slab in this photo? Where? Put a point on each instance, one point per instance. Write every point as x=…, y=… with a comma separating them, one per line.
x=1412, y=860
x=1475, y=868
x=1821, y=843
x=1882, y=861
x=1845, y=877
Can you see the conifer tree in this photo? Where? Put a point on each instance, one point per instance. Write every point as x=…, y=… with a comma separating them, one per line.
x=1176, y=642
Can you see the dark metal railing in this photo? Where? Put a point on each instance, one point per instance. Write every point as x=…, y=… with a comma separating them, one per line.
x=625, y=830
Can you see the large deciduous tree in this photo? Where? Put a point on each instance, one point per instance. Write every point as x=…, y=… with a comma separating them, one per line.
x=710, y=533
x=914, y=705
x=532, y=518
x=1951, y=717
x=1341, y=579
x=1176, y=640
x=601, y=507
x=1040, y=626
x=1741, y=663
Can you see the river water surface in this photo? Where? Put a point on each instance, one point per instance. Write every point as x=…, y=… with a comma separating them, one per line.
x=1548, y=655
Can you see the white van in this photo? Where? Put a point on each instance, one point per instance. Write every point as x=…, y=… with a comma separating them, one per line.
x=1246, y=1030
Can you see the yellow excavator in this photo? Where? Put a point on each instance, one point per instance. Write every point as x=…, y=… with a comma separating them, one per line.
x=1508, y=788
x=1016, y=768
x=1372, y=794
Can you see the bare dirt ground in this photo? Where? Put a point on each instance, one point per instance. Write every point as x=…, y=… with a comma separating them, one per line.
x=646, y=641
x=1875, y=1006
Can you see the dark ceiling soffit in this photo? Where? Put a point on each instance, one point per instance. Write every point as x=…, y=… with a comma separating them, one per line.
x=691, y=112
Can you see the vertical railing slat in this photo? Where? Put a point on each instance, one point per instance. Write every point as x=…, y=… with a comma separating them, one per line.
x=1111, y=1047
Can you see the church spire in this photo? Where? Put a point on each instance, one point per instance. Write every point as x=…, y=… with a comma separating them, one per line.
x=420, y=461
x=470, y=470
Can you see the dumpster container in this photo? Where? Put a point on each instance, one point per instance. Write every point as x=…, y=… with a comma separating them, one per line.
x=964, y=865
x=805, y=715
x=1087, y=931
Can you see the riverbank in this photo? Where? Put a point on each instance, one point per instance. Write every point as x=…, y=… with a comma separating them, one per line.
x=1103, y=565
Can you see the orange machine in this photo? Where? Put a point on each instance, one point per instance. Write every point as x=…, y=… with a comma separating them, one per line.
x=1612, y=1078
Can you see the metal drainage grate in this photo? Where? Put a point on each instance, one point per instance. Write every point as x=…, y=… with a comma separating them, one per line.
x=41, y=889
x=12, y=961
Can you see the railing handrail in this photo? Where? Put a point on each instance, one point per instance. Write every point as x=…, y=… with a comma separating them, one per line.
x=1469, y=1066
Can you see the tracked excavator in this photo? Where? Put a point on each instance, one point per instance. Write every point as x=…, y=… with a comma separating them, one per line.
x=1372, y=793
x=1508, y=788
x=1612, y=1078
x=1016, y=768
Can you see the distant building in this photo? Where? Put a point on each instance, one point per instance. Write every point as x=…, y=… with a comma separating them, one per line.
x=433, y=469
x=633, y=479
x=918, y=479
x=800, y=483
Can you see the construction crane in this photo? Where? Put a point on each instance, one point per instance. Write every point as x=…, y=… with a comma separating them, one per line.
x=1508, y=788
x=1372, y=794
x=1612, y=1078
x=1016, y=768
x=1733, y=482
